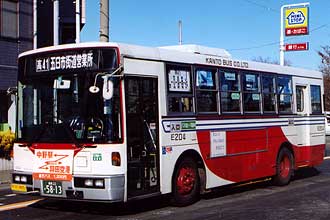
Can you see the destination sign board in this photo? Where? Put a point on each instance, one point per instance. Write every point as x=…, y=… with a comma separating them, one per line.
x=68, y=61
x=61, y=62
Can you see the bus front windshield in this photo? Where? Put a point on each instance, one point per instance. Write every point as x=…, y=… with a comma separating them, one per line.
x=63, y=109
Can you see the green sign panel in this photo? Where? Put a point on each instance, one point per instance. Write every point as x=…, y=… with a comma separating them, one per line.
x=188, y=125
x=97, y=157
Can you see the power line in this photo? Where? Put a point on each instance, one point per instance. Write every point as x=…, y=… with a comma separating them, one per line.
x=262, y=6
x=272, y=43
x=276, y=42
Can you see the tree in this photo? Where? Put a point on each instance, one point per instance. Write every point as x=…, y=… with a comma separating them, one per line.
x=325, y=69
x=269, y=60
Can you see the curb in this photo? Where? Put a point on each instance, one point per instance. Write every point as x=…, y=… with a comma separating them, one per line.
x=5, y=182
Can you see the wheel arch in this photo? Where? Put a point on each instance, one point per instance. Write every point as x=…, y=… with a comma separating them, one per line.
x=288, y=146
x=200, y=166
x=283, y=170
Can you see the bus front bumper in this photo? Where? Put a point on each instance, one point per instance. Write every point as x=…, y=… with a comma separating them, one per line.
x=96, y=188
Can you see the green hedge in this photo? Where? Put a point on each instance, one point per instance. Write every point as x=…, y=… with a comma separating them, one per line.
x=7, y=139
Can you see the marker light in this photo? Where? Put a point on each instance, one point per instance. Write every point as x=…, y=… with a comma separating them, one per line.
x=115, y=159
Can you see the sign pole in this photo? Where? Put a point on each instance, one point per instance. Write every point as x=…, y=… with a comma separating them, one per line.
x=282, y=37
x=282, y=47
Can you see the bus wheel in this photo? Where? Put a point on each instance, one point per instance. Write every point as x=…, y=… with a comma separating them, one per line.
x=185, y=183
x=284, y=167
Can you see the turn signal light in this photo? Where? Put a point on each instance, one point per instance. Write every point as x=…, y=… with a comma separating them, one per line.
x=115, y=159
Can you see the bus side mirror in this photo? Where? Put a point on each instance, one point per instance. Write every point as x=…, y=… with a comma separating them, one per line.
x=94, y=89
x=61, y=84
x=107, y=88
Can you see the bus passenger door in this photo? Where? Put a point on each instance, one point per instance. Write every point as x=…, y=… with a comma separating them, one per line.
x=142, y=135
x=301, y=107
x=303, y=131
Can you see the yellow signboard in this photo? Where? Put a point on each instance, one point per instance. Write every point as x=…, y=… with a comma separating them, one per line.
x=296, y=21
x=296, y=17
x=18, y=187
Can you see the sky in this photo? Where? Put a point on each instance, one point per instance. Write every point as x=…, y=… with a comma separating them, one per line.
x=247, y=29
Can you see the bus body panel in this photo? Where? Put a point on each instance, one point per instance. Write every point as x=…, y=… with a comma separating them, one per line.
x=88, y=163
x=234, y=148
x=250, y=152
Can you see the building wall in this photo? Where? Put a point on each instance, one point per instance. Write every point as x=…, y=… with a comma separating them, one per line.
x=10, y=47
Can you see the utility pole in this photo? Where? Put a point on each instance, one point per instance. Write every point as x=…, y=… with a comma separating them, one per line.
x=180, y=32
x=56, y=22
x=35, y=36
x=104, y=20
x=78, y=21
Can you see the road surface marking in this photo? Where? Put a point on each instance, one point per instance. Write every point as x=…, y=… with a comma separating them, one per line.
x=18, y=205
x=327, y=158
x=10, y=195
x=31, y=192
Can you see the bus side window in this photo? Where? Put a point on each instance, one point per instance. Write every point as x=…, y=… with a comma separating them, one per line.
x=269, y=93
x=316, y=99
x=251, y=92
x=284, y=91
x=206, y=90
x=179, y=92
x=230, y=93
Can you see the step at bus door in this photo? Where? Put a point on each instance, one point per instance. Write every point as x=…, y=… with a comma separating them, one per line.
x=142, y=135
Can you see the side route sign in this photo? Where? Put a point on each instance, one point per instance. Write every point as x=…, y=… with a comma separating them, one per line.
x=296, y=47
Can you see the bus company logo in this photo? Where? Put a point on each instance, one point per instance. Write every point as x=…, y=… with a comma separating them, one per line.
x=227, y=62
x=295, y=18
x=73, y=61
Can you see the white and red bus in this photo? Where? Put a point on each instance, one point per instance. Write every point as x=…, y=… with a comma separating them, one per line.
x=114, y=122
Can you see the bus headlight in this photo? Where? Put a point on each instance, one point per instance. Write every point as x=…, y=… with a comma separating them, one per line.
x=99, y=183
x=23, y=179
x=88, y=182
x=17, y=179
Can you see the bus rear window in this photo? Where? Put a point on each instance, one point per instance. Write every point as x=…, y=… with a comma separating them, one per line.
x=316, y=99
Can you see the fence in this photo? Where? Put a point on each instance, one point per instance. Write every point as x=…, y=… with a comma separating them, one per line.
x=6, y=164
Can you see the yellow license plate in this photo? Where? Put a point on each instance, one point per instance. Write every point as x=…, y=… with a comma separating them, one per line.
x=18, y=187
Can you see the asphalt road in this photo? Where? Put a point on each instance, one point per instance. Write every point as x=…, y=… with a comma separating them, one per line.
x=327, y=149
x=306, y=197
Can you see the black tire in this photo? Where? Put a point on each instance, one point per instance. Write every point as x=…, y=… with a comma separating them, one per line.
x=185, y=183
x=284, y=167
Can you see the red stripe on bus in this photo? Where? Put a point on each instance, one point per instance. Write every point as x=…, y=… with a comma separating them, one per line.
x=252, y=154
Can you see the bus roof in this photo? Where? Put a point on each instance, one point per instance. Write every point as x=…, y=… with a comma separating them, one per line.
x=190, y=54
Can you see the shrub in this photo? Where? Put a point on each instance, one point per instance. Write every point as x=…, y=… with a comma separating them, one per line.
x=7, y=139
